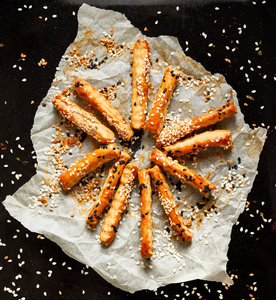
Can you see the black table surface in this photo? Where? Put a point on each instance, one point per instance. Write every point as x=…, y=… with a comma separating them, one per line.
x=234, y=38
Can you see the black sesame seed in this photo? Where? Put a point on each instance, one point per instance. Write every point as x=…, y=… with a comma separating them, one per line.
x=114, y=228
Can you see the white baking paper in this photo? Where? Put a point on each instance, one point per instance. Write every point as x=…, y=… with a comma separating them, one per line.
x=121, y=264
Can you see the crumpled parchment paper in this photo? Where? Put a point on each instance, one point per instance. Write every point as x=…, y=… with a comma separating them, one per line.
x=121, y=264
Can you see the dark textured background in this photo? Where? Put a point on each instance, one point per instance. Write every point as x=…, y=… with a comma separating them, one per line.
x=23, y=32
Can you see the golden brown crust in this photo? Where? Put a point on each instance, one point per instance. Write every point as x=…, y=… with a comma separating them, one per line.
x=118, y=204
x=158, y=111
x=221, y=138
x=113, y=116
x=166, y=197
x=107, y=189
x=140, y=83
x=171, y=134
x=172, y=167
x=83, y=119
x=146, y=214
x=86, y=165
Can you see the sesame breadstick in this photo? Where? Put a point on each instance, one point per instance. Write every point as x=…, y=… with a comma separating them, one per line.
x=140, y=83
x=86, y=165
x=171, y=134
x=181, y=172
x=166, y=197
x=112, y=114
x=158, y=111
x=83, y=119
x=107, y=189
x=221, y=138
x=146, y=214
x=109, y=227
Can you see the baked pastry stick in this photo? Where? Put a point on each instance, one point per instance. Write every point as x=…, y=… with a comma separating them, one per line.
x=107, y=189
x=113, y=116
x=174, y=168
x=109, y=227
x=86, y=165
x=146, y=214
x=166, y=197
x=221, y=138
x=83, y=119
x=158, y=111
x=140, y=83
x=171, y=134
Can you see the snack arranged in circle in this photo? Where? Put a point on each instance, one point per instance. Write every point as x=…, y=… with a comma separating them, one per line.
x=146, y=213
x=220, y=138
x=171, y=134
x=117, y=187
x=157, y=114
x=87, y=164
x=113, y=116
x=84, y=120
x=166, y=197
x=118, y=204
x=140, y=83
x=107, y=190
x=204, y=186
